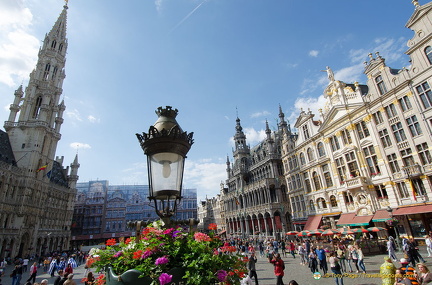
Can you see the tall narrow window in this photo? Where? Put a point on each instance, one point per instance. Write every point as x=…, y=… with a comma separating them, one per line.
x=380, y=84
x=362, y=130
x=310, y=154
x=321, y=150
x=385, y=138
x=305, y=132
x=371, y=160
x=327, y=176
x=321, y=203
x=391, y=111
x=398, y=132
x=414, y=126
x=428, y=52
x=334, y=143
x=60, y=47
x=352, y=164
x=53, y=44
x=402, y=189
x=307, y=182
x=37, y=106
x=393, y=163
x=333, y=201
x=424, y=154
x=378, y=118
x=54, y=73
x=316, y=180
x=405, y=103
x=346, y=137
x=46, y=72
x=341, y=169
x=302, y=159
x=311, y=206
x=425, y=93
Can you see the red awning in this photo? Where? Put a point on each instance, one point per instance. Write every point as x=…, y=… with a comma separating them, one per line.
x=313, y=222
x=381, y=216
x=361, y=220
x=413, y=210
x=345, y=219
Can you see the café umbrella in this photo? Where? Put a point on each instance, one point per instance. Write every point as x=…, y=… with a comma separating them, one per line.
x=375, y=229
x=292, y=233
x=330, y=232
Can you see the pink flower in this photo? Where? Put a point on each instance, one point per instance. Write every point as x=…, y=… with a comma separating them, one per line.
x=201, y=237
x=162, y=260
x=165, y=278
x=221, y=275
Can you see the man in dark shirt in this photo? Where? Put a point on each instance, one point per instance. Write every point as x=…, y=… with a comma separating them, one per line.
x=58, y=279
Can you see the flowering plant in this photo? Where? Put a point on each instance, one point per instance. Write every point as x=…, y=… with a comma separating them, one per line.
x=204, y=258
x=392, y=222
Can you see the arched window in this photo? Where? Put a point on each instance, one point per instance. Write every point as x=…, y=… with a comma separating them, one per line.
x=380, y=84
x=310, y=154
x=333, y=201
x=302, y=159
x=60, y=47
x=316, y=180
x=321, y=150
x=46, y=72
x=321, y=203
x=53, y=44
x=54, y=73
x=37, y=106
x=428, y=52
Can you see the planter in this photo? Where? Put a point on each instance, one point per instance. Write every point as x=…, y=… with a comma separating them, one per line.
x=131, y=277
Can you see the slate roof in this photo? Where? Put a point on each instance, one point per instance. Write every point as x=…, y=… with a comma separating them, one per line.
x=6, y=153
x=57, y=175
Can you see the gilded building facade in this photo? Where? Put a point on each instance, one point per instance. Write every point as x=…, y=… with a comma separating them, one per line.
x=366, y=157
x=36, y=191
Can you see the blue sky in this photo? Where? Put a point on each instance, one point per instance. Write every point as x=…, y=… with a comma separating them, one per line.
x=209, y=59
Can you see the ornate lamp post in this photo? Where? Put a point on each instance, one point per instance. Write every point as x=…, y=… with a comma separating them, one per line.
x=390, y=211
x=165, y=146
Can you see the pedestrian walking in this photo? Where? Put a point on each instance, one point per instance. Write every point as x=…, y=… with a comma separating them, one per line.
x=33, y=272
x=336, y=268
x=360, y=258
x=279, y=267
x=251, y=267
x=313, y=262
x=428, y=242
x=354, y=256
x=391, y=248
x=321, y=254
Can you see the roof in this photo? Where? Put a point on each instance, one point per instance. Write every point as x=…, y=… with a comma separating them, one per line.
x=6, y=153
x=57, y=175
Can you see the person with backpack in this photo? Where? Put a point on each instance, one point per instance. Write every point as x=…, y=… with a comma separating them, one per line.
x=279, y=267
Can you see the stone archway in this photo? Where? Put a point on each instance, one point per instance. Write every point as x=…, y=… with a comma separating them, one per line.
x=24, y=245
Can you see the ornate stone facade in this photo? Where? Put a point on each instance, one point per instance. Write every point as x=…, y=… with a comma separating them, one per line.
x=36, y=192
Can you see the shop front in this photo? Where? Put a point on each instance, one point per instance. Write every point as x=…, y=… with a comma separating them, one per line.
x=418, y=220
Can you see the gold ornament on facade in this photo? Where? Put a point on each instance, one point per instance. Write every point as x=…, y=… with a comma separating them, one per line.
x=349, y=89
x=338, y=133
x=395, y=102
x=381, y=67
x=409, y=94
x=326, y=140
x=367, y=118
x=351, y=127
x=382, y=110
x=423, y=177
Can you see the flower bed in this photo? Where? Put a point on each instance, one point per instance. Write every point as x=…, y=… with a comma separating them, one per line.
x=203, y=258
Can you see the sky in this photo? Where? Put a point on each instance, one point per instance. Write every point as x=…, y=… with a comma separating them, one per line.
x=213, y=60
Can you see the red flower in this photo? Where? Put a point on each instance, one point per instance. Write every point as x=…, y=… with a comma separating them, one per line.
x=111, y=241
x=212, y=227
x=137, y=254
x=128, y=240
x=100, y=280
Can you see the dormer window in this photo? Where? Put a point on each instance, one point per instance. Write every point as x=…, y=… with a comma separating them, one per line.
x=306, y=132
x=380, y=84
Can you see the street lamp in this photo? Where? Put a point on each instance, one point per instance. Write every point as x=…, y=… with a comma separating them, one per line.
x=390, y=211
x=165, y=146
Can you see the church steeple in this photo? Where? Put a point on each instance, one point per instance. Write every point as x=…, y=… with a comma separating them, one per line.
x=35, y=135
x=240, y=140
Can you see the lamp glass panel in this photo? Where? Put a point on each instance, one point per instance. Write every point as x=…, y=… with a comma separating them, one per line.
x=166, y=172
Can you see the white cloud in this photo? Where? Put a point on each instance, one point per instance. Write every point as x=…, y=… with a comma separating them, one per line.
x=18, y=48
x=260, y=114
x=93, y=119
x=158, y=4
x=308, y=103
x=253, y=136
x=313, y=53
x=74, y=114
x=206, y=177
x=78, y=145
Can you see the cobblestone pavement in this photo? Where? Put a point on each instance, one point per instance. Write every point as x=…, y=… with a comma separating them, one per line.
x=293, y=271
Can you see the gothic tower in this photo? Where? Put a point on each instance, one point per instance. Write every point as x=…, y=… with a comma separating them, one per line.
x=35, y=135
